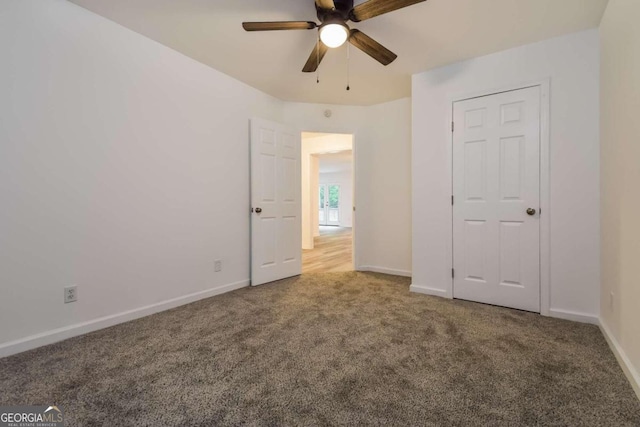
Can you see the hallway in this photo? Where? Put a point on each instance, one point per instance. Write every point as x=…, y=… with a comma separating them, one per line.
x=332, y=251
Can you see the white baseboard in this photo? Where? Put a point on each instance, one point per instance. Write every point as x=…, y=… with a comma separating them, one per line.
x=55, y=335
x=575, y=316
x=627, y=367
x=429, y=291
x=384, y=270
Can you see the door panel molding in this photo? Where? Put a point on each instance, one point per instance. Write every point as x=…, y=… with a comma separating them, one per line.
x=545, y=211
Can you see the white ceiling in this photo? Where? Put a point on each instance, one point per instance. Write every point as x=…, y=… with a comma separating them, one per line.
x=425, y=36
x=335, y=162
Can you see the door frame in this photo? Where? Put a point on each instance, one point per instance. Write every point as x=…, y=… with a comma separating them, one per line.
x=545, y=211
x=355, y=241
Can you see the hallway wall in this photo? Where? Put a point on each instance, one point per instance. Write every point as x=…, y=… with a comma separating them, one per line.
x=620, y=204
x=382, y=134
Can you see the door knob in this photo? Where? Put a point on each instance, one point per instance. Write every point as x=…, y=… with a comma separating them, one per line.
x=531, y=211
x=258, y=210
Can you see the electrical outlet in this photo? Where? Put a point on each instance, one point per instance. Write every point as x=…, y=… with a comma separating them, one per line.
x=217, y=265
x=70, y=294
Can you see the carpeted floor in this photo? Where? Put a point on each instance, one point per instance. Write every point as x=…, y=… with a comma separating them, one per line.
x=330, y=349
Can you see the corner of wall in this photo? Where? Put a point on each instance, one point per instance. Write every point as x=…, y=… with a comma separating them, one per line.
x=625, y=363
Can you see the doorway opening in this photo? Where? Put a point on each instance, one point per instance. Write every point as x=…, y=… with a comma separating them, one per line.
x=327, y=169
x=330, y=201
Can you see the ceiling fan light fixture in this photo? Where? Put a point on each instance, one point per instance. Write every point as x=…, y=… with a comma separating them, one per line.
x=334, y=35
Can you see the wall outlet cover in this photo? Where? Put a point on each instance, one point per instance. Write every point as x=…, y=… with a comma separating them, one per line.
x=70, y=294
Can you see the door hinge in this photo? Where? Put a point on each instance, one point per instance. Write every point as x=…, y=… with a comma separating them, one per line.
x=451, y=200
x=453, y=273
x=452, y=127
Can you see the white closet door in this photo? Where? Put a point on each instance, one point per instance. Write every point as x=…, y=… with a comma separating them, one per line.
x=496, y=189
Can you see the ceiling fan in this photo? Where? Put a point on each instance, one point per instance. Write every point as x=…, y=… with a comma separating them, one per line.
x=334, y=31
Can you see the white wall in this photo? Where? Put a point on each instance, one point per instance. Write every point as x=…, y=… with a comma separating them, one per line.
x=123, y=170
x=571, y=62
x=382, y=155
x=620, y=152
x=345, y=181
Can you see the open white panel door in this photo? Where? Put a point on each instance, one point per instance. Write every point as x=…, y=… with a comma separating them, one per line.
x=276, y=228
x=496, y=189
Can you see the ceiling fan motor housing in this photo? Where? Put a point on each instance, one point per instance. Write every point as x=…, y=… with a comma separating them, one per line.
x=340, y=13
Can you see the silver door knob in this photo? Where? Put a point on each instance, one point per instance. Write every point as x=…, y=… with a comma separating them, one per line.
x=258, y=210
x=531, y=211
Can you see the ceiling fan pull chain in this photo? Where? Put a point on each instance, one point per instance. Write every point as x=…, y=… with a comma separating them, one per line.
x=348, y=66
x=318, y=60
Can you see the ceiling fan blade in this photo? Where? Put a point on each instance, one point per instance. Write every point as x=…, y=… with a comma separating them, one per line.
x=374, y=8
x=325, y=4
x=371, y=47
x=279, y=25
x=319, y=51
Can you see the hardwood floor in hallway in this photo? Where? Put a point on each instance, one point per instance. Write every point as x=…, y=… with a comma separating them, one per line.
x=332, y=251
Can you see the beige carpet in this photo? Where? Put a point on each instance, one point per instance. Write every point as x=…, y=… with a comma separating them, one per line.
x=330, y=349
